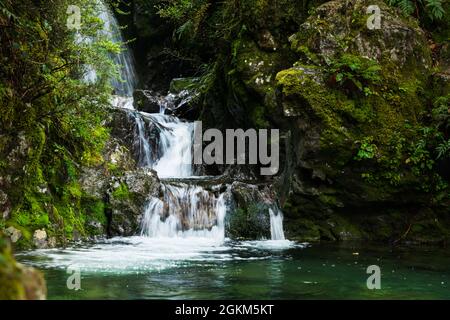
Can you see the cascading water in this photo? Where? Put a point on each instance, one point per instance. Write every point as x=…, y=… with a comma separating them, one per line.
x=276, y=224
x=186, y=209
x=190, y=211
x=175, y=146
x=127, y=82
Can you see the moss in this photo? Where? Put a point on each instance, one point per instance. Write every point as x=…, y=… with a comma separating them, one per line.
x=303, y=230
x=249, y=223
x=18, y=282
x=121, y=192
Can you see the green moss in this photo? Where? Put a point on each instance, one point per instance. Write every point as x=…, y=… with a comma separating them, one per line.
x=121, y=192
x=12, y=288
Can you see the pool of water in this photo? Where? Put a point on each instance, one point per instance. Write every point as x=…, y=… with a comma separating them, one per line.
x=202, y=268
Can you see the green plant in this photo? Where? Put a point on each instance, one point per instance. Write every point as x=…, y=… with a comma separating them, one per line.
x=432, y=8
x=443, y=149
x=350, y=71
x=367, y=149
x=45, y=98
x=121, y=192
x=441, y=112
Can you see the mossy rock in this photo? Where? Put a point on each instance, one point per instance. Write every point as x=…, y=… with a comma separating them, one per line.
x=17, y=281
x=251, y=223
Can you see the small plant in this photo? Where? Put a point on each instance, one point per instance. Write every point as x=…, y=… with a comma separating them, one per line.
x=441, y=112
x=351, y=71
x=367, y=150
x=443, y=149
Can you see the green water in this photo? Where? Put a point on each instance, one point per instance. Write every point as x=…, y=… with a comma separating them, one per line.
x=319, y=271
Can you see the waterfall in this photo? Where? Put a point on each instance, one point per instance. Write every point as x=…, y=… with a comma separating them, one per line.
x=276, y=224
x=175, y=145
x=124, y=86
x=185, y=211
x=164, y=143
x=141, y=139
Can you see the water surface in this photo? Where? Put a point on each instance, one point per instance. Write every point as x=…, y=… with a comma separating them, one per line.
x=204, y=268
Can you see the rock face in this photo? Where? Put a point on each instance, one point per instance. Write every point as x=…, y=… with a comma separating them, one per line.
x=123, y=198
x=127, y=197
x=350, y=102
x=17, y=281
x=118, y=195
x=341, y=26
x=353, y=97
x=249, y=216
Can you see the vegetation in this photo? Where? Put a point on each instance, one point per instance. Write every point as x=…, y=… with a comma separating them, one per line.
x=432, y=8
x=51, y=121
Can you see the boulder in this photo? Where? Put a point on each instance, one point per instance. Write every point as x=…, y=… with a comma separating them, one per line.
x=147, y=101
x=249, y=214
x=40, y=239
x=13, y=234
x=126, y=199
x=19, y=282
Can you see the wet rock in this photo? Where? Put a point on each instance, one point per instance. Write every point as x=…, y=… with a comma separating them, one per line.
x=13, y=234
x=147, y=101
x=40, y=239
x=126, y=200
x=249, y=216
x=123, y=126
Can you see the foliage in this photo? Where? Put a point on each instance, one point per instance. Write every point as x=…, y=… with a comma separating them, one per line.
x=121, y=192
x=186, y=14
x=47, y=104
x=367, y=150
x=350, y=71
x=432, y=8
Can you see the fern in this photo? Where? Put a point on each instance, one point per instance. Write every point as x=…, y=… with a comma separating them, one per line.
x=435, y=9
x=443, y=149
x=432, y=8
x=406, y=6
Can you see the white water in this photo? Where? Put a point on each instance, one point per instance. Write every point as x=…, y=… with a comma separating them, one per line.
x=141, y=140
x=137, y=255
x=276, y=224
x=185, y=212
x=175, y=146
x=127, y=82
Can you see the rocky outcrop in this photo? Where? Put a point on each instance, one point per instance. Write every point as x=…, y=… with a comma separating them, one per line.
x=353, y=98
x=126, y=200
x=122, y=198
x=249, y=211
x=147, y=101
x=351, y=102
